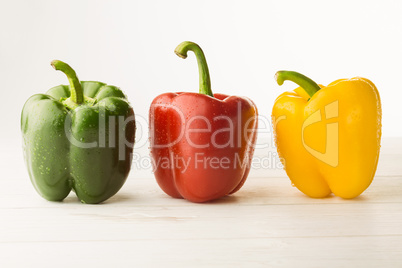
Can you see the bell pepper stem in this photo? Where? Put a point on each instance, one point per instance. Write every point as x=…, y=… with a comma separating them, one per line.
x=205, y=82
x=304, y=82
x=77, y=95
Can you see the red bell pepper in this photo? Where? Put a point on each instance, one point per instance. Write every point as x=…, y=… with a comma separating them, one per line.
x=201, y=143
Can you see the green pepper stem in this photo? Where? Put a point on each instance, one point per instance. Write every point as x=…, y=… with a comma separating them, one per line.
x=77, y=95
x=205, y=82
x=304, y=82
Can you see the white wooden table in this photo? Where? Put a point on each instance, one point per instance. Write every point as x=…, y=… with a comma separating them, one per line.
x=268, y=223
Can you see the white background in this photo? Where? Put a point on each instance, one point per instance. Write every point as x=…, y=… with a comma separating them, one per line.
x=130, y=44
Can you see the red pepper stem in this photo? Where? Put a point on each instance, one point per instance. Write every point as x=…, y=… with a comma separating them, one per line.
x=205, y=82
x=77, y=95
x=304, y=82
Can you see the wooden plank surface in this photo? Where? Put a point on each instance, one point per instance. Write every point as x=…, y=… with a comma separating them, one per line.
x=268, y=223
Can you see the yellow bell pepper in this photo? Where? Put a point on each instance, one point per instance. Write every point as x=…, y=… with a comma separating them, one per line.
x=328, y=138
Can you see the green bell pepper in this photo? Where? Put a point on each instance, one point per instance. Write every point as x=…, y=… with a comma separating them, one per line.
x=78, y=137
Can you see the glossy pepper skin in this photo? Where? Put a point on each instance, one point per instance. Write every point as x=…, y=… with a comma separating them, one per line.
x=329, y=137
x=74, y=138
x=201, y=143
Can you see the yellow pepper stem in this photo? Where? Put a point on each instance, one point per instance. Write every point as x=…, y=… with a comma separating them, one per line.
x=303, y=81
